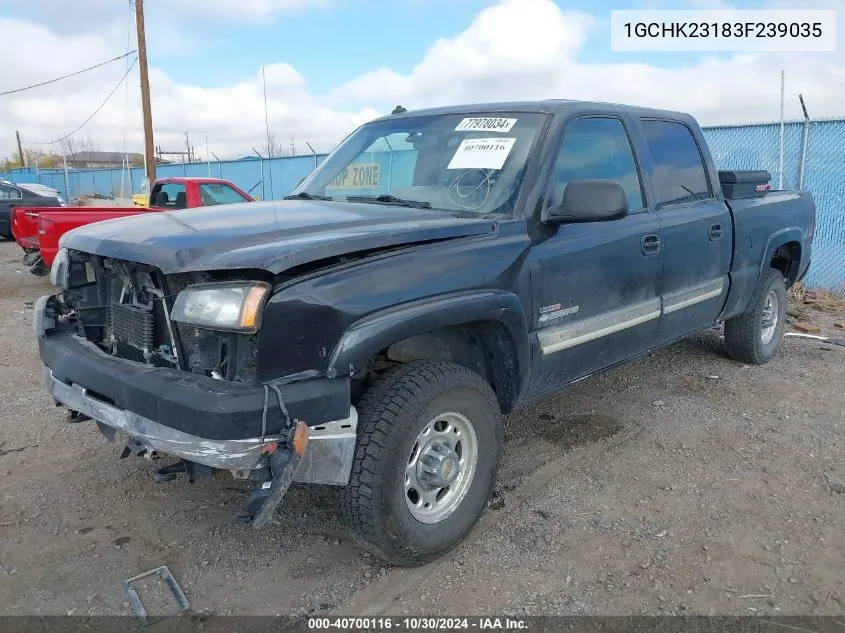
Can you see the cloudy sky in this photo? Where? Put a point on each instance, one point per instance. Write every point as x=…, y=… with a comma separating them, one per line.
x=333, y=64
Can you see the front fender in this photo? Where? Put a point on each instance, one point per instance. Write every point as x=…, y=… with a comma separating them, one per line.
x=365, y=338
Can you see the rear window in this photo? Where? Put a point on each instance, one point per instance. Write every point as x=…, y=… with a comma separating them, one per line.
x=170, y=195
x=213, y=194
x=679, y=173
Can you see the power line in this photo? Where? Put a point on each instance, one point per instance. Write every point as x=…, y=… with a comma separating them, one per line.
x=78, y=72
x=95, y=111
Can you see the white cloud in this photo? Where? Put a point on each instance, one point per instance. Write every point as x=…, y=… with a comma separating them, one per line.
x=529, y=49
x=244, y=9
x=517, y=49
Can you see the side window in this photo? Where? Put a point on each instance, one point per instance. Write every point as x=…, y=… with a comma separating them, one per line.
x=597, y=148
x=679, y=173
x=212, y=194
x=170, y=195
x=7, y=193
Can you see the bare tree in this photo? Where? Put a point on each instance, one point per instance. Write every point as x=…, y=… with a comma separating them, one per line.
x=45, y=160
x=274, y=148
x=74, y=144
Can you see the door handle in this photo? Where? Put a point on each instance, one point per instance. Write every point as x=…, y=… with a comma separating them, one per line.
x=715, y=232
x=650, y=244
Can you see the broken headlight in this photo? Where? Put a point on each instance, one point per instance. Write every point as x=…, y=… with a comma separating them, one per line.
x=60, y=269
x=233, y=306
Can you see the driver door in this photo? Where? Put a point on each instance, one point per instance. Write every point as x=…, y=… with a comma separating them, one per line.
x=595, y=286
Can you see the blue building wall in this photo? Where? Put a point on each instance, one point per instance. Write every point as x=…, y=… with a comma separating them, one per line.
x=734, y=147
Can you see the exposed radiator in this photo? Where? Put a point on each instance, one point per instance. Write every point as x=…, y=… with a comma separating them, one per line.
x=133, y=325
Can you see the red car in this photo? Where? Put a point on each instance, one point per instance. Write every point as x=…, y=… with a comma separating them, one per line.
x=37, y=229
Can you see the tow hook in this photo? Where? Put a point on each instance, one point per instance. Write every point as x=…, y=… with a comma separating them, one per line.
x=192, y=469
x=74, y=417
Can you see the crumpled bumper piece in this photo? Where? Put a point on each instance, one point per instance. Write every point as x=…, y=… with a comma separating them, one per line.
x=241, y=454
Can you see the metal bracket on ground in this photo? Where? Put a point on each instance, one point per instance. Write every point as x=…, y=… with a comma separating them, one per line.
x=138, y=606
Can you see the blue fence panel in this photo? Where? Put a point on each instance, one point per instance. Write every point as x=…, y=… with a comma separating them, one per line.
x=266, y=178
x=825, y=177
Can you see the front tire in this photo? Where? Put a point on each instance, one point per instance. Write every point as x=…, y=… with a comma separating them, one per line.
x=429, y=445
x=754, y=337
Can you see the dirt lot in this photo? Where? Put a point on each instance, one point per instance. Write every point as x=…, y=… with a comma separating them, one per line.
x=683, y=483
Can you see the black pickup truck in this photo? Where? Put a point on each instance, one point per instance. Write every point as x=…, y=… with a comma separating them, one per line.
x=440, y=268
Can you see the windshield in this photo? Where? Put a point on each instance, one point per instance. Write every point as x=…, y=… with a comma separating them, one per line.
x=456, y=162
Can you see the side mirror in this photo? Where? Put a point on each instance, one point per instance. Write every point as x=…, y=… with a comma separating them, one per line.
x=590, y=201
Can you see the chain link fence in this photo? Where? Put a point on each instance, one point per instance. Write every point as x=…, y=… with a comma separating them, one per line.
x=758, y=147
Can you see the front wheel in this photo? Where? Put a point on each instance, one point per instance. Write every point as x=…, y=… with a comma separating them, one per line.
x=754, y=337
x=429, y=445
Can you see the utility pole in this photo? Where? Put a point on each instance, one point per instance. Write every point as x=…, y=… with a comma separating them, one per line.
x=149, y=148
x=20, y=149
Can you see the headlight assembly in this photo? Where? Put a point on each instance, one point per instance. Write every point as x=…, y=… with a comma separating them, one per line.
x=233, y=306
x=60, y=269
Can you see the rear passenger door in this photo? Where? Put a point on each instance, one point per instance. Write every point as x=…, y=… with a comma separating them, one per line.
x=697, y=229
x=595, y=286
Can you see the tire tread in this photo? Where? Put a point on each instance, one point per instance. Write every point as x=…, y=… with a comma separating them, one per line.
x=741, y=332
x=385, y=411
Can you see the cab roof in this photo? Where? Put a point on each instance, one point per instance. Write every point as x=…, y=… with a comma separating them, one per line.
x=548, y=106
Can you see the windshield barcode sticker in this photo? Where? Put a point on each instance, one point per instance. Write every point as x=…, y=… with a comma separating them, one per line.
x=482, y=153
x=487, y=124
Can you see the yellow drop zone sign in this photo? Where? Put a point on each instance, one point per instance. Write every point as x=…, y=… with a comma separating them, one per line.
x=357, y=176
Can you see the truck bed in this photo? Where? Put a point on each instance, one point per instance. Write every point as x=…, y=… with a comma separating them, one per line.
x=758, y=221
x=25, y=220
x=53, y=223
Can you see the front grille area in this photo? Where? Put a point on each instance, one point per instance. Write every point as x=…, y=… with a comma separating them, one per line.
x=133, y=326
x=124, y=308
x=136, y=324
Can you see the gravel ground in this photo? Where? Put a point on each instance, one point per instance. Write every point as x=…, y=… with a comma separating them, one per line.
x=682, y=483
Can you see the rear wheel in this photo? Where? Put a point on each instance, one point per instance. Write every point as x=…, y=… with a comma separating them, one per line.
x=754, y=337
x=429, y=444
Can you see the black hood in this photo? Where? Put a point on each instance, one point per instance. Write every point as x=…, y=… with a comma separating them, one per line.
x=272, y=236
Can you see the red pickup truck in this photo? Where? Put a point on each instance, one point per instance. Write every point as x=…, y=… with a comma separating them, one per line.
x=37, y=229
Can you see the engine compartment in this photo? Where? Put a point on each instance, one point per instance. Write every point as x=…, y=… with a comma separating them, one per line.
x=124, y=309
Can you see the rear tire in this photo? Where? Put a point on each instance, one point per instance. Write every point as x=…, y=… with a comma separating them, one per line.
x=754, y=337
x=429, y=445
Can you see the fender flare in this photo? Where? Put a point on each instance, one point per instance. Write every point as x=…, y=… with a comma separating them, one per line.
x=776, y=240
x=366, y=337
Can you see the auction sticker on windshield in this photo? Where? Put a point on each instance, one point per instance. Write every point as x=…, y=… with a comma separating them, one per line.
x=482, y=153
x=486, y=124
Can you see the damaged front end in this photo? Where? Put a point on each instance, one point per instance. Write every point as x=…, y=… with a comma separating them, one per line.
x=169, y=362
